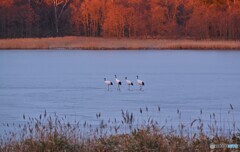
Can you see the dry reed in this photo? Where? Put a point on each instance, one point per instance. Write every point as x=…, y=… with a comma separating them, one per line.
x=94, y=43
x=54, y=133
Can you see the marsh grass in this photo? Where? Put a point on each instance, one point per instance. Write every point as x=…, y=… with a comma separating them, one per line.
x=93, y=43
x=49, y=132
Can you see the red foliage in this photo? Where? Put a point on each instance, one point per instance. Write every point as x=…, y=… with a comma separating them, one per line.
x=197, y=19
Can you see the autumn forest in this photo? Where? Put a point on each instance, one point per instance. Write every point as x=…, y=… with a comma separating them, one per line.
x=194, y=19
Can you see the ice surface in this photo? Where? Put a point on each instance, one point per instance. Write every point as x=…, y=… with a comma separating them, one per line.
x=71, y=83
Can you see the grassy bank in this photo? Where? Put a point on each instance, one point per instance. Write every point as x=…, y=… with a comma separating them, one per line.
x=92, y=43
x=54, y=133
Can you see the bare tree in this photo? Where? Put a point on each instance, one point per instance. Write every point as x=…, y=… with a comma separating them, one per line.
x=62, y=5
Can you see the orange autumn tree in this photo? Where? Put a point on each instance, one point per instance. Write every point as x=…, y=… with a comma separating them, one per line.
x=76, y=18
x=195, y=19
x=213, y=19
x=140, y=14
x=92, y=13
x=115, y=20
x=6, y=3
x=162, y=18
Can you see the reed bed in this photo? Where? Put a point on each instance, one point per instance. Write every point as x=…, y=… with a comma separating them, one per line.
x=50, y=132
x=94, y=43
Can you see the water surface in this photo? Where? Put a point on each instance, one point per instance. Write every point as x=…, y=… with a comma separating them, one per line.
x=71, y=83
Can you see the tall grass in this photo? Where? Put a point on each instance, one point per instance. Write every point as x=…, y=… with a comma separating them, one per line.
x=130, y=133
x=93, y=43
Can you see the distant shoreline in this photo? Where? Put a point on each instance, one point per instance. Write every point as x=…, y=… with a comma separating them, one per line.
x=98, y=43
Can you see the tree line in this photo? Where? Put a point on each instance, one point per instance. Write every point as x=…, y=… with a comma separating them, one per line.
x=196, y=19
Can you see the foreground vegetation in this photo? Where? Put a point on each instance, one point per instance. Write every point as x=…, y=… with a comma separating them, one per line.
x=54, y=133
x=93, y=43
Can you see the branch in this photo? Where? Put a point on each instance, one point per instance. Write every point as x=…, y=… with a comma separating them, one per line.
x=64, y=6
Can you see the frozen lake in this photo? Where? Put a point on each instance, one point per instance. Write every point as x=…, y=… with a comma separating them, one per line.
x=71, y=83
